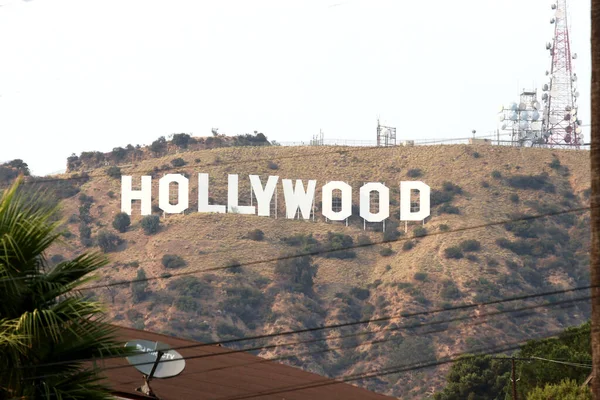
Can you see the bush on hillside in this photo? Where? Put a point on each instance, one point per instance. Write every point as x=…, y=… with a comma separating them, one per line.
x=470, y=245
x=108, y=241
x=150, y=224
x=178, y=162
x=453, y=252
x=256, y=235
x=531, y=182
x=121, y=222
x=414, y=173
x=114, y=172
x=172, y=261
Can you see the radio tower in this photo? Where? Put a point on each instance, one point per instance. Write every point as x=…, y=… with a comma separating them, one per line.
x=560, y=124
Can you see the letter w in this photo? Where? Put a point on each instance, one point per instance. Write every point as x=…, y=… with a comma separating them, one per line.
x=296, y=197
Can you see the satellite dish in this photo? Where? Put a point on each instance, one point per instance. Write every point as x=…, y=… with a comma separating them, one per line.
x=522, y=106
x=568, y=107
x=513, y=106
x=573, y=118
x=578, y=130
x=574, y=56
x=500, y=117
x=576, y=94
x=535, y=104
x=524, y=115
x=574, y=78
x=545, y=96
x=567, y=117
x=552, y=20
x=535, y=115
x=503, y=126
x=523, y=125
x=514, y=116
x=548, y=46
x=545, y=87
x=154, y=360
x=553, y=6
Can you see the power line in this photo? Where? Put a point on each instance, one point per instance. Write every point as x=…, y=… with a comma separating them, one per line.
x=389, y=371
x=327, y=251
x=322, y=251
x=374, y=342
x=381, y=319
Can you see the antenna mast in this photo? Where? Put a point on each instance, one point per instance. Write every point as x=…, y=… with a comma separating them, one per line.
x=562, y=128
x=386, y=135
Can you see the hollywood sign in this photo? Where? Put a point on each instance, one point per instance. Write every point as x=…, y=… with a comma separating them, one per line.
x=298, y=199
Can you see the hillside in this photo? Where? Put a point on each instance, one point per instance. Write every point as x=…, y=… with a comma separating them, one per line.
x=472, y=185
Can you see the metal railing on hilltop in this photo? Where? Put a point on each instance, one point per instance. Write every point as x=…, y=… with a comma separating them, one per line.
x=485, y=140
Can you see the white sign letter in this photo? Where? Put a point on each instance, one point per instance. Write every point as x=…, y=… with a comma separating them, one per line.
x=296, y=197
x=232, y=198
x=365, y=202
x=128, y=195
x=203, y=205
x=424, y=201
x=263, y=196
x=183, y=195
x=346, y=210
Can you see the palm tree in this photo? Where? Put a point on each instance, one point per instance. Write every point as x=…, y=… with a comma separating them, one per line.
x=595, y=262
x=47, y=326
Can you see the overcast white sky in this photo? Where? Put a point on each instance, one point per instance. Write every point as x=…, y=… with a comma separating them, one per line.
x=80, y=75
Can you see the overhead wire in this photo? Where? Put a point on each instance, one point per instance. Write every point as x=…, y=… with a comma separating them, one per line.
x=362, y=322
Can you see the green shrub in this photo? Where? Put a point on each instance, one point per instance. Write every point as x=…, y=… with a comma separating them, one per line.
x=386, y=252
x=114, y=172
x=470, y=245
x=187, y=304
x=178, y=162
x=496, y=174
x=227, y=331
x=485, y=184
x=360, y=293
x=448, y=209
x=420, y=231
x=414, y=173
x=150, y=224
x=340, y=245
x=139, y=288
x=420, y=276
x=57, y=258
x=273, y=166
x=234, y=266
x=476, y=154
x=472, y=257
x=181, y=140
x=364, y=240
x=408, y=245
x=444, y=228
x=108, y=241
x=453, y=252
x=121, y=222
x=172, y=261
x=449, y=290
x=451, y=188
x=514, y=198
x=256, y=234
x=531, y=182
